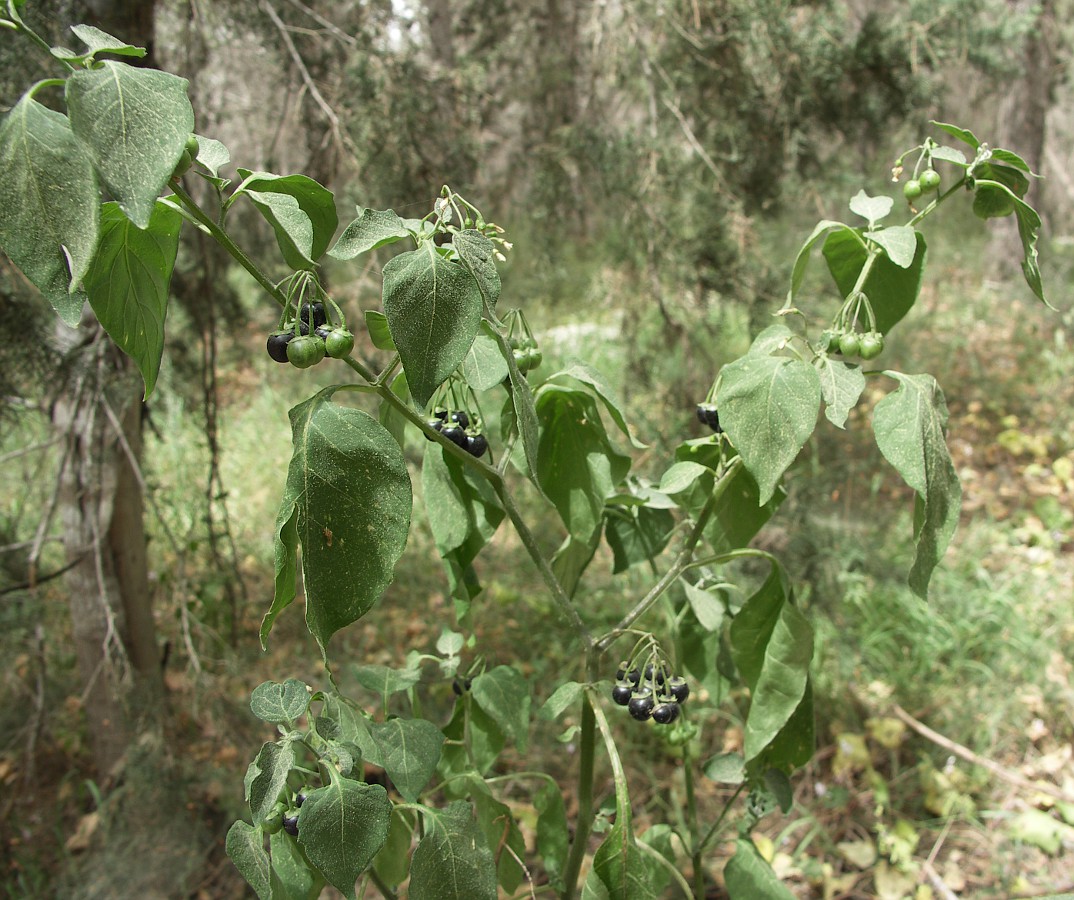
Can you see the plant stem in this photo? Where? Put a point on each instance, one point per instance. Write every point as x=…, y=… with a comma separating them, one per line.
x=225, y=241
x=583, y=824
x=681, y=564
x=715, y=829
x=691, y=817
x=386, y=891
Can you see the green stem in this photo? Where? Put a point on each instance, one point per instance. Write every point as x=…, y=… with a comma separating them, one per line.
x=583, y=823
x=386, y=891
x=25, y=29
x=715, y=829
x=225, y=241
x=691, y=817
x=681, y=564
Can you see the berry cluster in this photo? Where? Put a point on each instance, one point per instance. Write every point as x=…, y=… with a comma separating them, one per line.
x=849, y=343
x=455, y=426
x=308, y=339
x=653, y=694
x=527, y=355
x=927, y=181
x=707, y=415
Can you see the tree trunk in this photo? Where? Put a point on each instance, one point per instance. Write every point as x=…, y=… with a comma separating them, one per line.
x=100, y=506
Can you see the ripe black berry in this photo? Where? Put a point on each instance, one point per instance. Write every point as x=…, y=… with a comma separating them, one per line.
x=460, y=418
x=322, y=331
x=440, y=413
x=290, y=825
x=277, y=345
x=649, y=674
x=455, y=434
x=621, y=694
x=461, y=686
x=641, y=705
x=707, y=415
x=476, y=444
x=319, y=315
x=666, y=713
x=678, y=688
x=300, y=798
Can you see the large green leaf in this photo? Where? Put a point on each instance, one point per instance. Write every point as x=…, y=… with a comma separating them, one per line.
x=909, y=426
x=768, y=407
x=772, y=646
x=996, y=198
x=341, y=826
x=409, y=753
x=292, y=877
x=392, y=863
x=748, y=877
x=476, y=253
x=434, y=310
x=484, y=366
x=580, y=372
x=50, y=203
x=266, y=777
x=245, y=845
x=635, y=533
x=301, y=211
x=841, y=384
x=624, y=871
x=577, y=466
x=453, y=861
x=572, y=558
x=891, y=289
x=373, y=228
x=136, y=123
x=128, y=282
x=349, y=493
x=504, y=695
x=801, y=261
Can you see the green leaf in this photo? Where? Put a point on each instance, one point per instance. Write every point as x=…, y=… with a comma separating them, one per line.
x=390, y=416
x=434, y=310
x=909, y=426
x=773, y=339
x=726, y=768
x=801, y=261
x=282, y=703
x=285, y=552
x=486, y=742
x=577, y=466
x=505, y=696
x=484, y=366
x=891, y=289
x=477, y=255
x=292, y=876
x=636, y=534
x=520, y=412
x=341, y=827
x=552, y=836
x=502, y=832
x=841, y=384
x=563, y=697
x=708, y=606
x=384, y=680
x=625, y=871
x=213, y=155
x=682, y=476
x=572, y=558
x=267, y=777
x=899, y=243
x=128, y=283
x=591, y=378
x=748, y=877
x=949, y=154
x=245, y=845
x=349, y=485
x=136, y=123
x=301, y=211
x=768, y=407
x=453, y=861
x=962, y=134
x=392, y=863
x=373, y=228
x=101, y=42
x=51, y=204
x=1028, y=228
x=872, y=209
x=409, y=753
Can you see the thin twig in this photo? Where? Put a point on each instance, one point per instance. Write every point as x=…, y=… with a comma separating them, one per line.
x=40, y=579
x=937, y=882
x=338, y=32
x=33, y=448
x=1000, y=771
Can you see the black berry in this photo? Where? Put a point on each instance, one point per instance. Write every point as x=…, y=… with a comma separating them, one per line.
x=277, y=345
x=455, y=434
x=290, y=825
x=678, y=688
x=319, y=315
x=300, y=798
x=461, y=686
x=440, y=413
x=476, y=444
x=666, y=713
x=641, y=705
x=621, y=694
x=460, y=418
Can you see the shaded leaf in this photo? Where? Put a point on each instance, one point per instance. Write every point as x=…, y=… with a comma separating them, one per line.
x=301, y=211
x=552, y=836
x=245, y=845
x=373, y=228
x=385, y=680
x=292, y=877
x=504, y=695
x=453, y=861
x=267, y=777
x=748, y=877
x=564, y=696
x=484, y=366
x=409, y=753
x=128, y=283
x=592, y=379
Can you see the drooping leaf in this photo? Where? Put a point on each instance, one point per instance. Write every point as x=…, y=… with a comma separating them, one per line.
x=266, y=778
x=872, y=209
x=50, y=202
x=577, y=465
x=504, y=695
x=392, y=863
x=995, y=197
x=285, y=553
x=707, y=606
x=409, y=753
x=962, y=134
x=348, y=487
x=572, y=558
x=279, y=703
x=726, y=768
x=341, y=827
x=292, y=876
x=101, y=42
x=434, y=310
x=801, y=262
x=899, y=243
x=563, y=697
x=748, y=877
x=373, y=228
x=909, y=426
x=502, y=833
x=484, y=366
x=580, y=372
x=453, y=861
x=768, y=407
x=213, y=155
x=486, y=742
x=891, y=289
x=136, y=123
x=626, y=872
x=841, y=384
x=386, y=680
x=301, y=211
x=635, y=533
x=245, y=846
x=128, y=283
x=476, y=253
